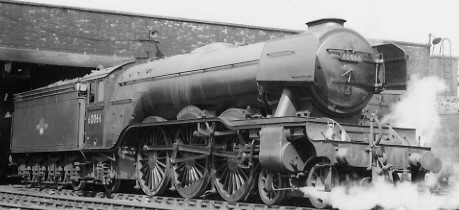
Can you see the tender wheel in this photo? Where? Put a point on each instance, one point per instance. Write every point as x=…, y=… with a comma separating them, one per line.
x=153, y=167
x=77, y=183
x=26, y=173
x=61, y=177
x=52, y=176
x=73, y=174
x=38, y=175
x=190, y=173
x=233, y=177
x=317, y=179
x=267, y=183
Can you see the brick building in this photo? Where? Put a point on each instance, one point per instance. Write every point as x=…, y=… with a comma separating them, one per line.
x=111, y=35
x=41, y=44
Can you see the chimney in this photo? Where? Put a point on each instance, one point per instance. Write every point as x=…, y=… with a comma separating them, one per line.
x=326, y=22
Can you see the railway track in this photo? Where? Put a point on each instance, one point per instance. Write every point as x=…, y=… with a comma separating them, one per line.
x=20, y=197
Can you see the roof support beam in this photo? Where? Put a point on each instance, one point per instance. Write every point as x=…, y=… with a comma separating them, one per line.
x=59, y=58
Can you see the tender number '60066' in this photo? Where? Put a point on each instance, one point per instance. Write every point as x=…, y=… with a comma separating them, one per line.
x=94, y=118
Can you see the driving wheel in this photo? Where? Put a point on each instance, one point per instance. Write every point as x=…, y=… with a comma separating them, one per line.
x=153, y=167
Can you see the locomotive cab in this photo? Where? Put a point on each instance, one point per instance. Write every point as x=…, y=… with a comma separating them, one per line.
x=97, y=99
x=95, y=112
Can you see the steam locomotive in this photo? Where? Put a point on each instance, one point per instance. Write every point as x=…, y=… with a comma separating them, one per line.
x=258, y=120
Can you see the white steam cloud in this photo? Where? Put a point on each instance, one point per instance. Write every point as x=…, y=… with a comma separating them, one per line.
x=403, y=196
x=418, y=108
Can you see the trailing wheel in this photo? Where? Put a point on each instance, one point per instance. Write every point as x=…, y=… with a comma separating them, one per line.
x=322, y=177
x=233, y=177
x=153, y=167
x=190, y=173
x=111, y=183
x=78, y=184
x=268, y=183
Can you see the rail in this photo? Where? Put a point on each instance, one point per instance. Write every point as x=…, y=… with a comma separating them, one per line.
x=20, y=197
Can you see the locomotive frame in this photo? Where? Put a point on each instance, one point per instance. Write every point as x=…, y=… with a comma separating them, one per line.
x=266, y=119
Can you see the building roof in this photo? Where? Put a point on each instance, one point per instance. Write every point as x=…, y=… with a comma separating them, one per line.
x=155, y=16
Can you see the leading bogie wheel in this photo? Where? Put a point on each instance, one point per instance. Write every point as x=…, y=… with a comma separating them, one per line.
x=269, y=184
x=190, y=171
x=317, y=180
x=153, y=167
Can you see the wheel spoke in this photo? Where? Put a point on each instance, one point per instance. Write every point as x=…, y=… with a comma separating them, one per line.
x=150, y=139
x=200, y=165
x=230, y=182
x=188, y=177
x=233, y=181
x=146, y=174
x=150, y=180
x=144, y=168
x=158, y=176
x=161, y=164
x=225, y=176
x=154, y=177
x=194, y=175
x=184, y=177
x=160, y=169
x=243, y=174
x=243, y=180
x=223, y=166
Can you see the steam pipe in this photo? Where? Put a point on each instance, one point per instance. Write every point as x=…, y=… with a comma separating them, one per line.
x=285, y=106
x=370, y=143
x=378, y=123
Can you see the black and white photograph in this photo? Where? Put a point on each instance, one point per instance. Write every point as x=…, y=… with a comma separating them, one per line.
x=229, y=104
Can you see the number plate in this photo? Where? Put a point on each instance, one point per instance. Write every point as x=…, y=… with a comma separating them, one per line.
x=351, y=57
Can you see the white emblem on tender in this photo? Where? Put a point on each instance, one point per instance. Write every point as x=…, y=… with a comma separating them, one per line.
x=42, y=126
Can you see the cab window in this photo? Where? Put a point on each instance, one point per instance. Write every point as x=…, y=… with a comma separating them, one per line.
x=92, y=92
x=96, y=91
x=100, y=91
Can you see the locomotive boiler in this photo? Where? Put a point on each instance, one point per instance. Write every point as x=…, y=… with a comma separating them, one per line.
x=258, y=120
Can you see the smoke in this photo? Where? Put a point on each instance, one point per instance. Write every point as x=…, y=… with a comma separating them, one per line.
x=384, y=195
x=418, y=108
